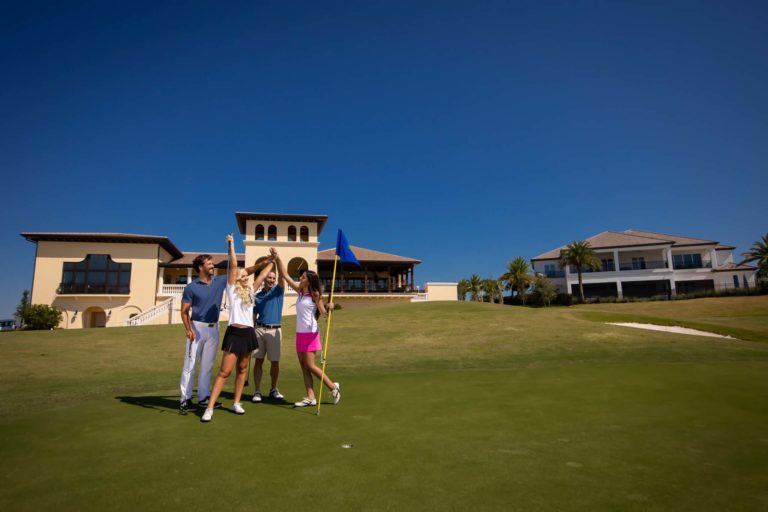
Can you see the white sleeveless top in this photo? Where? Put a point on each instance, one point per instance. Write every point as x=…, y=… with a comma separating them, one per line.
x=238, y=312
x=305, y=313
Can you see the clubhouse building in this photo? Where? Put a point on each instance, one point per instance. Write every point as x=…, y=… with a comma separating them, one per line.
x=117, y=279
x=646, y=264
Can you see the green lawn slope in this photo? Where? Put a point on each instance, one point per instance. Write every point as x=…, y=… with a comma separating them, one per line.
x=448, y=406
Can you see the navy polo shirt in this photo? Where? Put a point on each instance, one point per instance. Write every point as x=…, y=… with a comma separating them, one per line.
x=205, y=298
x=269, y=305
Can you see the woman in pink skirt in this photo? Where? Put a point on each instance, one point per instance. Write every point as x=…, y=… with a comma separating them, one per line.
x=309, y=306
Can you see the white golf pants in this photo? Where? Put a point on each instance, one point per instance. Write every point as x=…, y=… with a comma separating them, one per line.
x=200, y=351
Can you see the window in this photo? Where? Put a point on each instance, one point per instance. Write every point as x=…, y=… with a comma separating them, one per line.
x=304, y=234
x=735, y=281
x=259, y=232
x=687, y=261
x=291, y=233
x=272, y=233
x=638, y=263
x=97, y=273
x=607, y=265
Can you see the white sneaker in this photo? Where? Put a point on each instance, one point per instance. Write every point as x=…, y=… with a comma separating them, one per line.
x=256, y=397
x=276, y=395
x=207, y=416
x=237, y=408
x=336, y=393
x=305, y=402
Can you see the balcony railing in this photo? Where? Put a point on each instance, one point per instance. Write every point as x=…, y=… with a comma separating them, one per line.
x=624, y=266
x=554, y=273
x=687, y=266
x=641, y=265
x=172, y=289
x=101, y=289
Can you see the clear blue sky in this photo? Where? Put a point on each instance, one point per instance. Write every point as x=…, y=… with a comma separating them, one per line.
x=460, y=133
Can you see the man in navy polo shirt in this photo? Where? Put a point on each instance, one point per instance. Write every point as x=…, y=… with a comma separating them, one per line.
x=202, y=297
x=268, y=309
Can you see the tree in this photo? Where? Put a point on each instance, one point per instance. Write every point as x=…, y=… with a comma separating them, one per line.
x=23, y=305
x=475, y=286
x=500, y=289
x=759, y=253
x=490, y=288
x=518, y=276
x=581, y=255
x=544, y=292
x=463, y=289
x=40, y=317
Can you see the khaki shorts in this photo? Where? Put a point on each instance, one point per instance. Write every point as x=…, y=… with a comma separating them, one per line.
x=269, y=343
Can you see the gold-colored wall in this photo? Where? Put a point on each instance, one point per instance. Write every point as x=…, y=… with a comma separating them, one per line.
x=49, y=264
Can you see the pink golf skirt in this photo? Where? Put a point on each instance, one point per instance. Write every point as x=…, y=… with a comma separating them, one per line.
x=307, y=341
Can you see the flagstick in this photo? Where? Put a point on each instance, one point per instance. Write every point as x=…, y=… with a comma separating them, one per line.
x=327, y=332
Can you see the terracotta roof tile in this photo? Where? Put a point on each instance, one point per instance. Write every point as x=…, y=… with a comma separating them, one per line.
x=675, y=239
x=162, y=241
x=363, y=254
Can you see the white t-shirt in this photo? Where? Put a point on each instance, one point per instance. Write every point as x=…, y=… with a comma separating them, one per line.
x=238, y=312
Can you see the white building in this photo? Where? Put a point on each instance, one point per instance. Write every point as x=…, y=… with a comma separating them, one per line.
x=646, y=264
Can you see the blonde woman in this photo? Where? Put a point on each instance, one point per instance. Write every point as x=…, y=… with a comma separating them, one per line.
x=309, y=306
x=239, y=338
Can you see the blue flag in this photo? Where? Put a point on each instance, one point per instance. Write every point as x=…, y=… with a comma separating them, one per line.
x=343, y=251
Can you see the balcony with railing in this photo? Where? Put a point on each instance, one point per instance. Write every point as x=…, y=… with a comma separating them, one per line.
x=635, y=265
x=172, y=289
x=93, y=289
x=554, y=273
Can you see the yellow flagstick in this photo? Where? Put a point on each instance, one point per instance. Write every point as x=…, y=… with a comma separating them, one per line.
x=327, y=332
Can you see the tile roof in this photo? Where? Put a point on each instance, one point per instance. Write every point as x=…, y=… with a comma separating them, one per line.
x=633, y=238
x=219, y=259
x=725, y=267
x=162, y=241
x=675, y=239
x=370, y=255
x=289, y=217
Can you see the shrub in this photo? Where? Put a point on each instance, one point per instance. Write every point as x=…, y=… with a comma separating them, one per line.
x=40, y=317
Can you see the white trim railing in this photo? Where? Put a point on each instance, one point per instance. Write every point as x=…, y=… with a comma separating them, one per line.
x=172, y=289
x=164, y=307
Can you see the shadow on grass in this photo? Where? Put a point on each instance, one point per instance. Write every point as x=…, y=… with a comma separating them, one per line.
x=165, y=403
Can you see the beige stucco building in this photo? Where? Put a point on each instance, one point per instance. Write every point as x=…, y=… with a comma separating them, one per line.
x=117, y=279
x=641, y=264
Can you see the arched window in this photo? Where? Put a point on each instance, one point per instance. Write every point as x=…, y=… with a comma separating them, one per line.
x=259, y=232
x=272, y=233
x=97, y=273
x=291, y=233
x=304, y=234
x=295, y=267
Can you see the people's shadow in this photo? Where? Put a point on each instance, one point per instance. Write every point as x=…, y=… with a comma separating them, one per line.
x=160, y=403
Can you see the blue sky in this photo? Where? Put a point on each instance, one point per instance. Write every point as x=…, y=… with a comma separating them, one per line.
x=460, y=133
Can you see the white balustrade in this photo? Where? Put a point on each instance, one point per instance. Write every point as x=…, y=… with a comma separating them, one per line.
x=172, y=289
x=163, y=308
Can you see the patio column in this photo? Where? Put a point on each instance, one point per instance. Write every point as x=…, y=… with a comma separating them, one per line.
x=616, y=260
x=389, y=279
x=189, y=275
x=670, y=266
x=619, y=290
x=713, y=257
x=365, y=278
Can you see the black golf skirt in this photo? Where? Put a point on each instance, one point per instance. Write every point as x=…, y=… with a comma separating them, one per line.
x=239, y=340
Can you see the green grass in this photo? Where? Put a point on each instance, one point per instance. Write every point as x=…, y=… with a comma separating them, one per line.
x=449, y=406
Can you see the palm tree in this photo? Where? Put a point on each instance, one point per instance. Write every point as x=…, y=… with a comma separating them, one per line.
x=518, y=276
x=463, y=289
x=581, y=255
x=475, y=286
x=500, y=289
x=759, y=253
x=490, y=288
